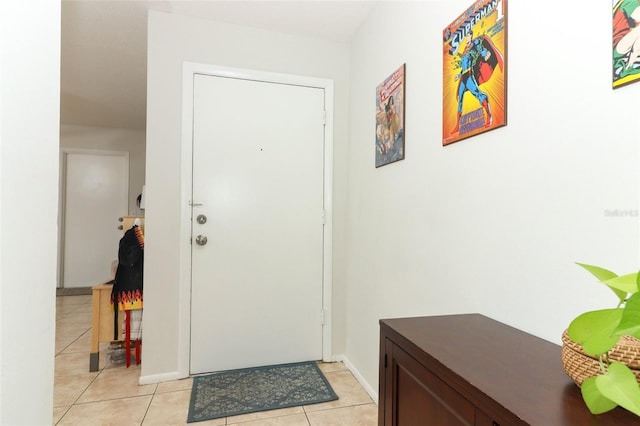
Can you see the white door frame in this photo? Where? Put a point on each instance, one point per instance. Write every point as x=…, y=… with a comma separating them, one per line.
x=189, y=70
x=62, y=198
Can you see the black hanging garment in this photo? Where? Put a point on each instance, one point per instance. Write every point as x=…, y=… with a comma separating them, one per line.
x=127, y=287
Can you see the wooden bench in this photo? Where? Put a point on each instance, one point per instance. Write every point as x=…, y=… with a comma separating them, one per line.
x=101, y=322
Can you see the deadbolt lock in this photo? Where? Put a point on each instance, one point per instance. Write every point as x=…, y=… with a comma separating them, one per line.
x=201, y=219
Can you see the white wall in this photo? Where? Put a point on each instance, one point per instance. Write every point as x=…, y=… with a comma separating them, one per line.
x=172, y=40
x=112, y=139
x=29, y=143
x=491, y=224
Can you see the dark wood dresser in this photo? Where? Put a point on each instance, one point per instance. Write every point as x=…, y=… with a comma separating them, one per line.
x=472, y=370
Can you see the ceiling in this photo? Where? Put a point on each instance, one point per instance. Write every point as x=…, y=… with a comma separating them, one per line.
x=104, y=55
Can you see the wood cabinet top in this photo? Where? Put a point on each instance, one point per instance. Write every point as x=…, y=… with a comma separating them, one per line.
x=498, y=367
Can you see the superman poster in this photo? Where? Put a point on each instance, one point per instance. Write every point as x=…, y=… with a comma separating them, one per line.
x=626, y=42
x=474, y=98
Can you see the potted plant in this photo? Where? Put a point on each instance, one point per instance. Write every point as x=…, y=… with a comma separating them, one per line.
x=599, y=334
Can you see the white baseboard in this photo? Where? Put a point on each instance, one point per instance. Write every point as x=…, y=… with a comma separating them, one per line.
x=367, y=387
x=158, y=378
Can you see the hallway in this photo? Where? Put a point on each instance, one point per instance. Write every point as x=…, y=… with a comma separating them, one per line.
x=112, y=394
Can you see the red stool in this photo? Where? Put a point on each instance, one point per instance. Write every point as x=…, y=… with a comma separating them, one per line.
x=127, y=341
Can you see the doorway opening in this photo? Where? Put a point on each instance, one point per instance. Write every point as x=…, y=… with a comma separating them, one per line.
x=94, y=193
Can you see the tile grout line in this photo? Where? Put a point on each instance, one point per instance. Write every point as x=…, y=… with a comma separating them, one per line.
x=85, y=389
x=65, y=413
x=146, y=412
x=306, y=415
x=75, y=340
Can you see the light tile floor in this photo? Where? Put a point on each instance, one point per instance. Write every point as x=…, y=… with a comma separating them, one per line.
x=112, y=396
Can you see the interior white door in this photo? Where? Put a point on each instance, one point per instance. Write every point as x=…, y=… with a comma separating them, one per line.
x=96, y=194
x=258, y=183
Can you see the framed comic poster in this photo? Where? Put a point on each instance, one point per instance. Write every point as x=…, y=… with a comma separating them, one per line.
x=626, y=42
x=474, y=62
x=390, y=118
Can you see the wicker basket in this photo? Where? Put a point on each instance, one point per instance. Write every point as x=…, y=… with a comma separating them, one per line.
x=580, y=366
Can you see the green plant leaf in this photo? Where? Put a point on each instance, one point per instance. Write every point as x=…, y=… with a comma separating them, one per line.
x=603, y=275
x=630, y=321
x=620, y=386
x=600, y=273
x=594, y=330
x=596, y=402
x=627, y=283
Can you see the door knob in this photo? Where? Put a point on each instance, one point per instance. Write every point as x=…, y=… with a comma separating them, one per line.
x=201, y=240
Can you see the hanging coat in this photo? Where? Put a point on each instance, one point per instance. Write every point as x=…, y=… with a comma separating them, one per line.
x=127, y=286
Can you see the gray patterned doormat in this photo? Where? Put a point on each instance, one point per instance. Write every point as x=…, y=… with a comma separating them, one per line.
x=234, y=392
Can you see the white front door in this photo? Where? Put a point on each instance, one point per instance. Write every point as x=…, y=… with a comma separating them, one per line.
x=256, y=292
x=96, y=188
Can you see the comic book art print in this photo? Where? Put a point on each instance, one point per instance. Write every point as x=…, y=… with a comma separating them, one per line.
x=390, y=118
x=474, y=98
x=626, y=42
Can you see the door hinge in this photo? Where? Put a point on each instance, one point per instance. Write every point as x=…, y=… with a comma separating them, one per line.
x=322, y=316
x=324, y=118
x=323, y=217
x=385, y=360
